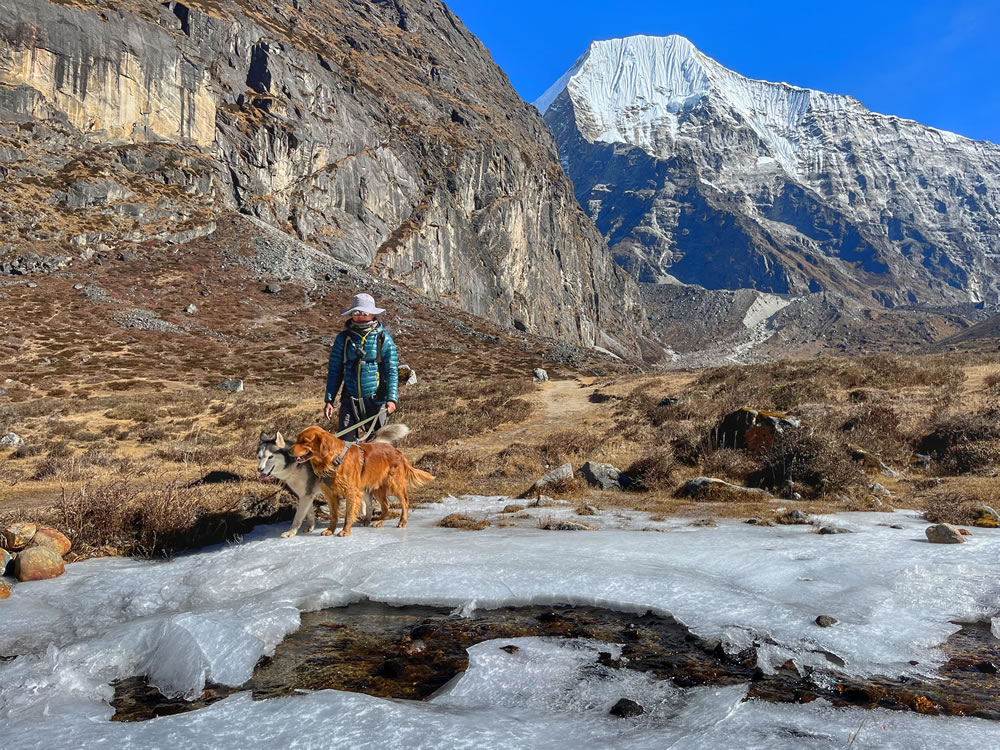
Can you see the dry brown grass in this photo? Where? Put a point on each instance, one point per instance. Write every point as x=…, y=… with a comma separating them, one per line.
x=461, y=521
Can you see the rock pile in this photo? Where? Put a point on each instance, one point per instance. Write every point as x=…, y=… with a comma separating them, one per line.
x=30, y=553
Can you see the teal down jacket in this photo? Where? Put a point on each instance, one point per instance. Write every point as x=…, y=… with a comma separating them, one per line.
x=361, y=375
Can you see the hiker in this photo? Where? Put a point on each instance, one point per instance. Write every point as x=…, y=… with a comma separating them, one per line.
x=364, y=361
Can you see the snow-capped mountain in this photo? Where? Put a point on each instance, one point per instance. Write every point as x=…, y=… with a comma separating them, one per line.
x=696, y=173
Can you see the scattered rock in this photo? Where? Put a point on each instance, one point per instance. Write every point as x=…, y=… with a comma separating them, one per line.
x=758, y=522
x=18, y=535
x=543, y=501
x=38, y=564
x=704, y=522
x=944, y=533
x=605, y=476
x=871, y=461
x=986, y=517
x=11, y=440
x=511, y=649
x=825, y=621
x=407, y=375
x=562, y=473
x=233, y=385
x=78, y=287
x=512, y=508
x=878, y=489
x=551, y=525
x=272, y=288
x=987, y=667
x=710, y=488
x=6, y=558
x=52, y=539
x=626, y=709
x=834, y=530
x=4, y=590
x=191, y=309
x=586, y=510
x=32, y=285
x=751, y=429
x=540, y=375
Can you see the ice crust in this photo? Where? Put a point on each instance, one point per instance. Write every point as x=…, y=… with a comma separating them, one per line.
x=211, y=615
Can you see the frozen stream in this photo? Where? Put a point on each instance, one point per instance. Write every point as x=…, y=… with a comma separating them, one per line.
x=212, y=615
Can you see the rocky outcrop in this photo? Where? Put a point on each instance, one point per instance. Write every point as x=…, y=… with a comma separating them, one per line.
x=381, y=133
x=693, y=172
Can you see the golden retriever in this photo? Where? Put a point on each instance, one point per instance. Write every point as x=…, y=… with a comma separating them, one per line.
x=376, y=467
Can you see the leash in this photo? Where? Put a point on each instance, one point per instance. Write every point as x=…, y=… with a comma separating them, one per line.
x=359, y=424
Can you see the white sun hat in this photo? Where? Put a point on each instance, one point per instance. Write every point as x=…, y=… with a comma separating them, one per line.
x=363, y=303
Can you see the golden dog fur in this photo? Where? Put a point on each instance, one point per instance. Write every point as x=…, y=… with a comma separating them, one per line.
x=383, y=472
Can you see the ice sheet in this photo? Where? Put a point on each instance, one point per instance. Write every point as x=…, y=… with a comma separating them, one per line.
x=212, y=614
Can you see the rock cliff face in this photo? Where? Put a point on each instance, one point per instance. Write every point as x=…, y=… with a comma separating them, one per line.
x=693, y=171
x=379, y=131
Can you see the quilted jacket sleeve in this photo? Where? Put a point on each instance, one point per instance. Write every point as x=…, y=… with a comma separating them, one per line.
x=390, y=369
x=335, y=371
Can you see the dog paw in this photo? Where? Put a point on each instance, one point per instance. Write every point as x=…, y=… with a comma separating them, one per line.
x=345, y=532
x=401, y=524
x=327, y=532
x=288, y=535
x=376, y=524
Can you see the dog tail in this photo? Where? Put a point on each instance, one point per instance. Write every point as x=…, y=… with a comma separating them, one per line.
x=417, y=477
x=391, y=433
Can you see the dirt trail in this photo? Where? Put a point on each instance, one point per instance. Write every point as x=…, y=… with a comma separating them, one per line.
x=557, y=405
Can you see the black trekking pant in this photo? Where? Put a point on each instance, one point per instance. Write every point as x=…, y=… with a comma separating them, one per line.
x=353, y=410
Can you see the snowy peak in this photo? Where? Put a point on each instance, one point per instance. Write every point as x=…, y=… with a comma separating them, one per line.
x=635, y=90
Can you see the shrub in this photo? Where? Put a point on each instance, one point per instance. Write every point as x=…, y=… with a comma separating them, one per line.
x=809, y=460
x=653, y=471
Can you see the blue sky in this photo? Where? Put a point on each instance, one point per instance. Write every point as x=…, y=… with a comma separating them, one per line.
x=935, y=62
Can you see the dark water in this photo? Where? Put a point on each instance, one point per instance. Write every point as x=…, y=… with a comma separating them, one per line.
x=410, y=652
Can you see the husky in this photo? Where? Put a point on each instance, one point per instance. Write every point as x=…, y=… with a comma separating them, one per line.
x=273, y=460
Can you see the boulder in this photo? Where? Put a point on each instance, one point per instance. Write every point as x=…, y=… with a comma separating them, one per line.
x=191, y=309
x=751, y=429
x=944, y=533
x=38, y=564
x=18, y=535
x=233, y=385
x=6, y=558
x=272, y=288
x=986, y=517
x=605, y=476
x=11, y=440
x=4, y=590
x=53, y=539
x=710, y=488
x=559, y=474
x=825, y=621
x=565, y=526
x=540, y=375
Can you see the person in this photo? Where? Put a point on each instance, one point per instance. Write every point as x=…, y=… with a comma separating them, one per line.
x=364, y=367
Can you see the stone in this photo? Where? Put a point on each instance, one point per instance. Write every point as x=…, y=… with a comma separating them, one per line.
x=4, y=590
x=565, y=526
x=272, y=288
x=943, y=533
x=562, y=473
x=52, y=539
x=626, y=709
x=191, y=309
x=543, y=501
x=986, y=517
x=38, y=564
x=605, y=476
x=78, y=287
x=540, y=376
x=751, y=429
x=834, y=530
x=233, y=385
x=407, y=375
x=707, y=487
x=825, y=621
x=794, y=517
x=6, y=558
x=965, y=532
x=17, y=536
x=878, y=489
x=11, y=440
x=586, y=510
